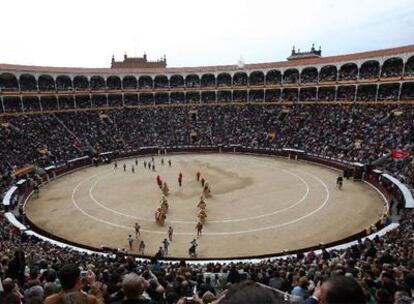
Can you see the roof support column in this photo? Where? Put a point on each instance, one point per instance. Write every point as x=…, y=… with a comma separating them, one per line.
x=21, y=103
x=40, y=103
x=399, y=91
x=356, y=92
x=2, y=104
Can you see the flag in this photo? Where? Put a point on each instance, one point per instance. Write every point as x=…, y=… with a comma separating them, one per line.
x=399, y=154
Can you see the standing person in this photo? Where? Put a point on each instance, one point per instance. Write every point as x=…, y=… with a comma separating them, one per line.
x=169, y=163
x=130, y=241
x=159, y=181
x=198, y=176
x=124, y=167
x=36, y=190
x=141, y=247
x=199, y=228
x=153, y=167
x=170, y=233
x=133, y=169
x=145, y=164
x=162, y=161
x=152, y=159
x=180, y=179
x=137, y=230
x=166, y=245
x=136, y=162
x=193, y=249
x=203, y=181
x=115, y=165
x=159, y=254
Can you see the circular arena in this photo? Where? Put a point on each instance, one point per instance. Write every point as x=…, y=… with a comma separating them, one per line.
x=85, y=153
x=260, y=205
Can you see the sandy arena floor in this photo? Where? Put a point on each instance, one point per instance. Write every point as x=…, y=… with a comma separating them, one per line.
x=260, y=205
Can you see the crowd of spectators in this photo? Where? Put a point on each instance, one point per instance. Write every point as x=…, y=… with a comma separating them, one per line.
x=358, y=133
x=372, y=271
x=381, y=270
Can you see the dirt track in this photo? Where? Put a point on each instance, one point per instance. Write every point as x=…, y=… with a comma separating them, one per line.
x=260, y=205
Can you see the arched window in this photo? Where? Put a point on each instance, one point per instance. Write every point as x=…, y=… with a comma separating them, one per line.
x=161, y=81
x=409, y=67
x=392, y=68
x=80, y=82
x=239, y=79
x=28, y=82
x=97, y=83
x=46, y=83
x=63, y=82
x=291, y=76
x=328, y=73
x=129, y=82
x=348, y=72
x=369, y=70
x=208, y=80
x=256, y=78
x=192, y=81
x=145, y=82
x=273, y=77
x=309, y=75
x=176, y=81
x=224, y=80
x=8, y=81
x=113, y=83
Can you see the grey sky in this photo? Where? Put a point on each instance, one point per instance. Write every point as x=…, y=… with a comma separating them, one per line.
x=192, y=33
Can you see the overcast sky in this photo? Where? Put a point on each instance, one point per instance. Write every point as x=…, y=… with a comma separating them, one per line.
x=85, y=33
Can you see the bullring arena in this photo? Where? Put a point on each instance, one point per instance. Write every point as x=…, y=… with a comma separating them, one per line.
x=260, y=205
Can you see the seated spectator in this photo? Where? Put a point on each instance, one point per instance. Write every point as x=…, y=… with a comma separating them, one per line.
x=338, y=290
x=133, y=287
x=69, y=277
x=11, y=294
